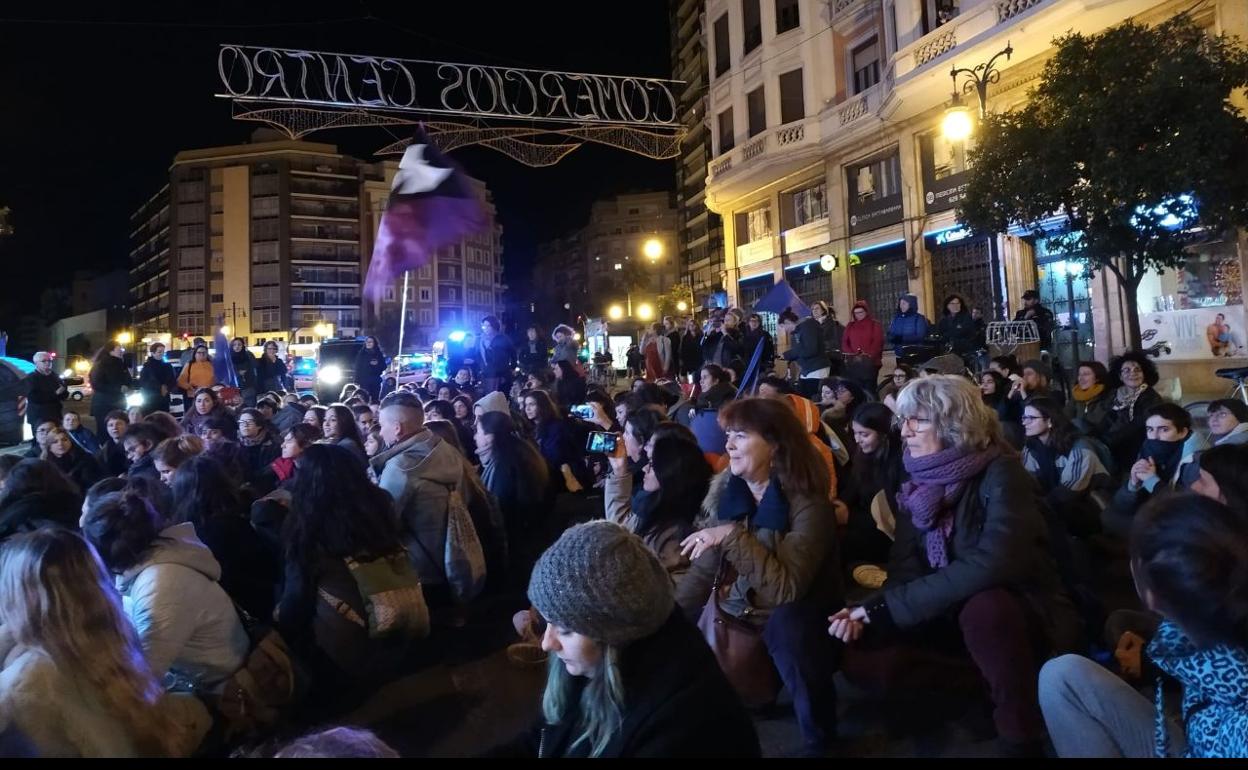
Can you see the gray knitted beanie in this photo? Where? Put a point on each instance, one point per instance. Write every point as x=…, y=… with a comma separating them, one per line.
x=600, y=580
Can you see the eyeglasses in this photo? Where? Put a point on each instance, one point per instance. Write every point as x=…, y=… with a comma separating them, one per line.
x=1131, y=370
x=899, y=376
x=914, y=424
x=242, y=423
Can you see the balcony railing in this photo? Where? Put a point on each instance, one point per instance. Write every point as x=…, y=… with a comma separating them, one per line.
x=967, y=26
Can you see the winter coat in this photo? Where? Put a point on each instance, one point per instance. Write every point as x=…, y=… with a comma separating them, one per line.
x=43, y=401
x=678, y=705
x=749, y=344
x=107, y=378
x=79, y=467
x=112, y=457
x=565, y=351
x=256, y=457
x=498, y=356
x=1044, y=323
x=26, y=513
x=999, y=540
x=664, y=543
x=534, y=356
x=193, y=421
x=370, y=365
x=773, y=568
x=865, y=337
x=959, y=331
x=562, y=442
x=85, y=440
x=244, y=368
x=1123, y=430
x=196, y=375
x=155, y=375
x=1215, y=693
x=690, y=352
x=145, y=468
x=725, y=348
x=808, y=347
x=1076, y=468
x=1238, y=435
x=420, y=474
x=908, y=328
x=248, y=572
x=1129, y=497
x=288, y=417
x=833, y=334
x=184, y=618
x=270, y=375
x=719, y=394
x=63, y=718
x=1090, y=415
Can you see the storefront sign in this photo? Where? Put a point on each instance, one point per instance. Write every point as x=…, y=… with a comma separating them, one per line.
x=944, y=172
x=874, y=194
x=1198, y=334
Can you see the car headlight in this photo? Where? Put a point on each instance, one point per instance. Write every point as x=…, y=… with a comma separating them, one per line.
x=330, y=375
x=134, y=399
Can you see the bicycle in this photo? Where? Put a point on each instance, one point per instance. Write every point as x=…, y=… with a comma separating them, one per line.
x=1199, y=410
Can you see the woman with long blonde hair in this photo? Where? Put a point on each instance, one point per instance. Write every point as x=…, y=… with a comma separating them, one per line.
x=75, y=680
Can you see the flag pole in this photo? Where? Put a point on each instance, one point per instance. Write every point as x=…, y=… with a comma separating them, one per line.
x=403, y=312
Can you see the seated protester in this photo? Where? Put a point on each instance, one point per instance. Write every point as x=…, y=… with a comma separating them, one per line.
x=84, y=438
x=716, y=387
x=561, y=442
x=1006, y=366
x=444, y=411
x=373, y=443
x=569, y=384
x=849, y=396
x=134, y=414
x=268, y=408
x=186, y=623
x=339, y=428
x=869, y=494
x=516, y=474
x=72, y=674
x=463, y=411
x=315, y=416
x=420, y=471
x=675, y=480
x=170, y=454
x=1036, y=383
x=1222, y=476
x=1063, y=463
x=970, y=567
x=1166, y=462
x=491, y=530
x=140, y=441
x=995, y=391
x=165, y=423
x=772, y=522
x=902, y=373
x=1228, y=422
x=205, y=496
x=70, y=459
x=219, y=433
x=1133, y=377
x=7, y=462
x=629, y=677
x=337, y=518
x=205, y=404
x=819, y=434
x=1187, y=555
x=36, y=495
x=289, y=415
x=365, y=418
x=258, y=445
x=40, y=435
x=1090, y=398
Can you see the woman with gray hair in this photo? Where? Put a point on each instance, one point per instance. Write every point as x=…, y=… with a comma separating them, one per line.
x=629, y=675
x=970, y=568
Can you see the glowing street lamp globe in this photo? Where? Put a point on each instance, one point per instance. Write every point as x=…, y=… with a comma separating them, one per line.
x=653, y=249
x=957, y=125
x=615, y=312
x=682, y=306
x=645, y=311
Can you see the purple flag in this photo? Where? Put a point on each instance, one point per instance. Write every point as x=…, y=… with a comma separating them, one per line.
x=432, y=204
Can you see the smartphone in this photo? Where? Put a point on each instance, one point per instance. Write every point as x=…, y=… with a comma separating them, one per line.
x=584, y=411
x=601, y=442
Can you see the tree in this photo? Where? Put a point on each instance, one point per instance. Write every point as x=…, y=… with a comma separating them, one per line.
x=1131, y=141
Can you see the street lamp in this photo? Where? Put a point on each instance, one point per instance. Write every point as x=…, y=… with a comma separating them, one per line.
x=653, y=249
x=124, y=338
x=682, y=306
x=321, y=329
x=958, y=125
x=615, y=312
x=645, y=311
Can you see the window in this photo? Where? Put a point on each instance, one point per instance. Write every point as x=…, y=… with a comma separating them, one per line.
x=192, y=323
x=792, y=102
x=725, y=131
x=426, y=317
x=753, y=225
x=426, y=294
x=810, y=205
x=190, y=280
x=752, y=21
x=262, y=275
x=389, y=294
x=266, y=320
x=191, y=257
x=425, y=271
x=723, y=55
x=264, y=207
x=756, y=109
x=191, y=235
x=787, y=17
x=218, y=298
x=263, y=184
x=264, y=252
x=866, y=65
x=265, y=296
x=265, y=230
x=879, y=179
x=189, y=213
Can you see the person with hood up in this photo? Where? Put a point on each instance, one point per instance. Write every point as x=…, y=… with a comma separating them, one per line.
x=957, y=326
x=909, y=326
x=864, y=342
x=833, y=331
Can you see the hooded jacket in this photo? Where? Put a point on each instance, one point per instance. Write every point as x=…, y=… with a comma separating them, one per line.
x=184, y=619
x=1215, y=693
x=865, y=337
x=908, y=328
x=420, y=473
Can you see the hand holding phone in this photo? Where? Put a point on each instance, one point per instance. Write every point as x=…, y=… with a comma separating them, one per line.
x=601, y=442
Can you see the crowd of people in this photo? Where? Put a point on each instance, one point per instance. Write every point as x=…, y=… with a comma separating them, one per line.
x=688, y=547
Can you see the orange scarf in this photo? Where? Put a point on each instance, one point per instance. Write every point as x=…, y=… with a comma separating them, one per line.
x=1081, y=394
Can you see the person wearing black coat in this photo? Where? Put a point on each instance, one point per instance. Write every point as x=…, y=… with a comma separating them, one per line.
x=245, y=368
x=270, y=371
x=497, y=356
x=288, y=417
x=156, y=380
x=109, y=379
x=957, y=326
x=534, y=355
x=754, y=334
x=47, y=391
x=689, y=350
x=78, y=465
x=370, y=365
x=37, y=495
x=807, y=350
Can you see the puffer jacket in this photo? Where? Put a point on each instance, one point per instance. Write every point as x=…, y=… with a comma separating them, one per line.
x=773, y=568
x=865, y=337
x=420, y=474
x=1215, y=694
x=999, y=540
x=184, y=619
x=908, y=328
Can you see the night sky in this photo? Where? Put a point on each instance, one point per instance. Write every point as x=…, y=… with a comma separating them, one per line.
x=95, y=107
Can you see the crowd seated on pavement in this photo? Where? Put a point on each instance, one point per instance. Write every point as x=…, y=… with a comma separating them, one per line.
x=679, y=555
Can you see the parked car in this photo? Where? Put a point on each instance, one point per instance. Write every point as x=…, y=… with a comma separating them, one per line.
x=79, y=388
x=411, y=369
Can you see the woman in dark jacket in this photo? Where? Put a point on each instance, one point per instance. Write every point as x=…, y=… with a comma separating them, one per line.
x=559, y=440
x=533, y=354
x=109, y=378
x=807, y=350
x=971, y=564
x=516, y=474
x=72, y=460
x=258, y=445
x=245, y=368
x=569, y=386
x=628, y=676
x=716, y=387
x=112, y=454
x=270, y=371
x=831, y=329
x=755, y=333
x=370, y=365
x=1133, y=379
x=956, y=325
x=874, y=471
x=204, y=495
x=1090, y=398
x=36, y=495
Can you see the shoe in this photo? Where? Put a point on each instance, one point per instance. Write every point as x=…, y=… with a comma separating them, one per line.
x=869, y=576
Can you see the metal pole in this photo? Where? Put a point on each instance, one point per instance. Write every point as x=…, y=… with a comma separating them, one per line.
x=403, y=312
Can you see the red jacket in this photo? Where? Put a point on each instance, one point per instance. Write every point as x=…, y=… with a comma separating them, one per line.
x=866, y=335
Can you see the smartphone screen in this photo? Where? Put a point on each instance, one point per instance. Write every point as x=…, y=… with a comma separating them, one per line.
x=584, y=411
x=601, y=442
